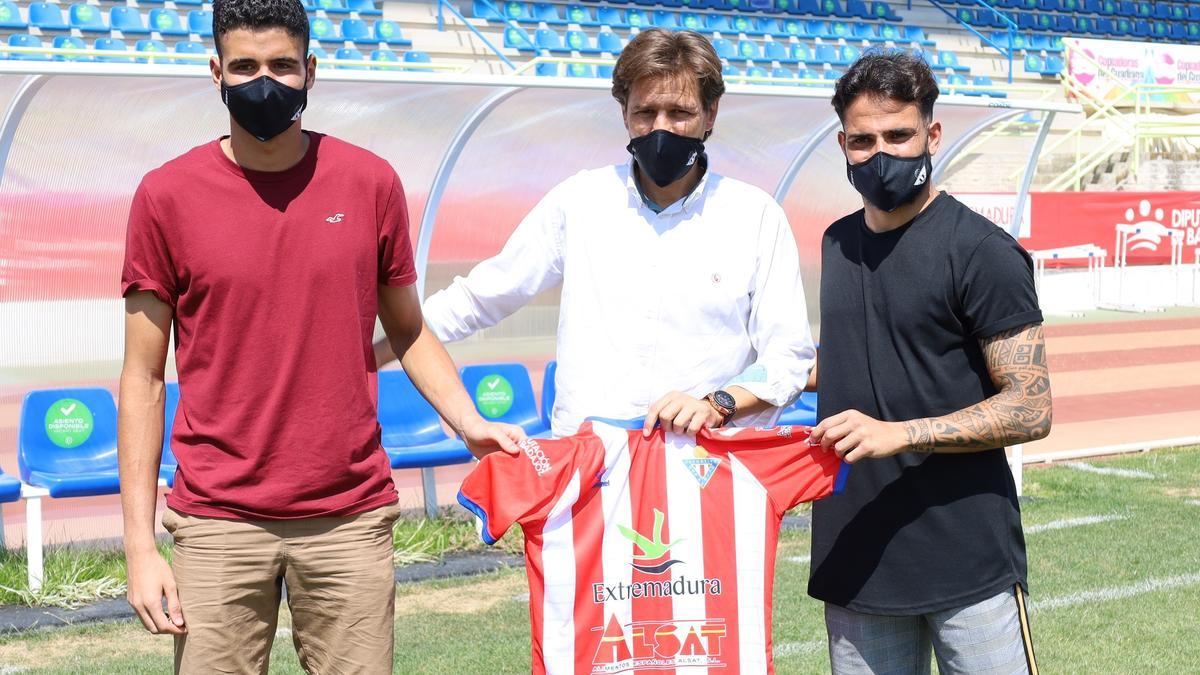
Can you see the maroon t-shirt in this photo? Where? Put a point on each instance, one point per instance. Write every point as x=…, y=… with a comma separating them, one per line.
x=274, y=279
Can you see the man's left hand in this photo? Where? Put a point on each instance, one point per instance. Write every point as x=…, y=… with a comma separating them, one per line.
x=681, y=414
x=483, y=437
x=854, y=435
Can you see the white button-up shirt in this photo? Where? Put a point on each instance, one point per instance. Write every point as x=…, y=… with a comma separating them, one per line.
x=701, y=296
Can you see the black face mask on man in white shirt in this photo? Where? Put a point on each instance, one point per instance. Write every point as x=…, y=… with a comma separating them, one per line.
x=665, y=156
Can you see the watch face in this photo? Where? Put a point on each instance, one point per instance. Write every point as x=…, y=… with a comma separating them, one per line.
x=724, y=399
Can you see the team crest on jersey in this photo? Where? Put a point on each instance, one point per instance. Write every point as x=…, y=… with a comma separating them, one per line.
x=702, y=469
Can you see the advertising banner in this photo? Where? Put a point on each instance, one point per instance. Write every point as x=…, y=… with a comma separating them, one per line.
x=1130, y=63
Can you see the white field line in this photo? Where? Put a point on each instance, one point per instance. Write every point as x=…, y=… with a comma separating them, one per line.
x=1117, y=593
x=800, y=559
x=283, y=633
x=1194, y=502
x=1109, y=471
x=789, y=648
x=1075, y=522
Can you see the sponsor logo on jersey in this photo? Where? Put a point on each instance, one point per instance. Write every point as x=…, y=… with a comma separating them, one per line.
x=659, y=645
x=652, y=547
x=602, y=593
x=541, y=463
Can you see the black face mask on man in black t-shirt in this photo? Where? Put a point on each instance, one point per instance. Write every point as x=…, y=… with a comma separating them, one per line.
x=889, y=182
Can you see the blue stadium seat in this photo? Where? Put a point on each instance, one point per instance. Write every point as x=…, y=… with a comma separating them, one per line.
x=481, y=9
x=166, y=22
x=611, y=16
x=580, y=70
x=985, y=81
x=724, y=48
x=520, y=408
x=832, y=74
x=882, y=10
x=915, y=34
x=128, y=20
x=608, y=42
x=583, y=16
x=60, y=450
x=549, y=391
x=411, y=431
x=547, y=13
x=890, y=32
x=802, y=53
x=548, y=40
x=384, y=56
x=794, y=28
x=839, y=29
x=112, y=45
x=768, y=25
x=748, y=50
x=637, y=18
x=665, y=19
x=692, y=21
x=349, y=54
x=319, y=53
x=826, y=53
x=806, y=74
x=849, y=54
x=817, y=29
x=333, y=6
x=358, y=32
x=832, y=7
x=728, y=70
x=87, y=18
x=604, y=71
x=70, y=42
x=47, y=16
x=858, y=9
x=948, y=59
x=29, y=42
x=777, y=51
x=784, y=74
x=578, y=41
x=364, y=7
x=864, y=31
x=802, y=412
x=388, y=32
x=757, y=71
x=743, y=24
x=1178, y=32
x=319, y=28
x=10, y=488
x=199, y=22
x=518, y=38
x=10, y=16
x=189, y=47
x=152, y=46
x=718, y=23
x=415, y=58
x=518, y=11
x=168, y=464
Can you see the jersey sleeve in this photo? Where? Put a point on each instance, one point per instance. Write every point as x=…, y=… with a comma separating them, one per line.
x=504, y=489
x=791, y=470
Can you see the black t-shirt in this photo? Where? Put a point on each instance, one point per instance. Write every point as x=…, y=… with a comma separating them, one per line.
x=902, y=313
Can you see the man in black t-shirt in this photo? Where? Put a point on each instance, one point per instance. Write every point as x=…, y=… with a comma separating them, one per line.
x=932, y=361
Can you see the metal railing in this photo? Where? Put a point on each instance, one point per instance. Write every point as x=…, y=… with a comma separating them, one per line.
x=186, y=59
x=441, y=24
x=1010, y=29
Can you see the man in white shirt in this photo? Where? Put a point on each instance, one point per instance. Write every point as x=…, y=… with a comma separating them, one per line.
x=681, y=293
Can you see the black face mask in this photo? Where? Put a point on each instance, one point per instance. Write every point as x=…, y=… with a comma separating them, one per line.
x=264, y=106
x=889, y=182
x=666, y=157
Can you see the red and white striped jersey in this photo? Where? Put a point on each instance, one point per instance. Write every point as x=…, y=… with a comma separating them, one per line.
x=651, y=553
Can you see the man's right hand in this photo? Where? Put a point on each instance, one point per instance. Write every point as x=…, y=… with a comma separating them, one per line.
x=151, y=580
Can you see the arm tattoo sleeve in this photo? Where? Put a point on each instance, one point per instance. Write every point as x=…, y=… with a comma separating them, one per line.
x=1019, y=413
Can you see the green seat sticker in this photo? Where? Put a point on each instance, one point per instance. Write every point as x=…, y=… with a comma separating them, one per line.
x=68, y=423
x=493, y=396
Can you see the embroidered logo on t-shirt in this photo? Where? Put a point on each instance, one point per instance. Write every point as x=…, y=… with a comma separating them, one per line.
x=335, y=218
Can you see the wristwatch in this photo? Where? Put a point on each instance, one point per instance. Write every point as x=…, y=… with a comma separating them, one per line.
x=724, y=404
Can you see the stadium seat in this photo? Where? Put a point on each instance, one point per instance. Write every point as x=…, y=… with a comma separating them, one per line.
x=832, y=7
x=112, y=45
x=199, y=22
x=189, y=47
x=782, y=75
x=882, y=10
x=817, y=29
x=128, y=20
x=152, y=46
x=608, y=42
x=777, y=51
x=27, y=41
x=864, y=31
x=748, y=50
x=637, y=18
x=364, y=7
x=411, y=431
x=481, y=9
x=806, y=74
x=414, y=59
x=349, y=54
x=915, y=34
x=549, y=391
x=168, y=464
x=801, y=53
x=388, y=32
x=319, y=53
x=832, y=74
x=665, y=19
x=718, y=23
x=611, y=16
x=550, y=41
x=512, y=403
x=518, y=11
x=578, y=41
x=794, y=28
x=839, y=29
x=67, y=442
x=517, y=38
x=580, y=15
x=826, y=53
x=948, y=59
x=604, y=71
x=757, y=71
x=167, y=22
x=730, y=71
x=70, y=42
x=358, y=32
x=384, y=56
x=743, y=25
x=768, y=25
x=319, y=28
x=802, y=412
x=985, y=81
x=580, y=70
x=691, y=21
x=10, y=16
x=10, y=487
x=87, y=18
x=47, y=16
x=333, y=6
x=724, y=48
x=547, y=13
x=849, y=54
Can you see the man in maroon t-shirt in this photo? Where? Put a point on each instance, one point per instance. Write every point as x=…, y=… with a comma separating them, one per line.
x=270, y=252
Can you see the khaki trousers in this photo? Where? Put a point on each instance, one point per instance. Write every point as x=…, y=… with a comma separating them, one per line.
x=340, y=589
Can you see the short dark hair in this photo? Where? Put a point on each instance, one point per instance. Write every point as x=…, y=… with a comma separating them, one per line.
x=889, y=74
x=259, y=15
x=661, y=53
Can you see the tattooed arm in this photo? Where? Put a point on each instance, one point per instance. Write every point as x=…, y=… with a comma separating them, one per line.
x=1020, y=412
